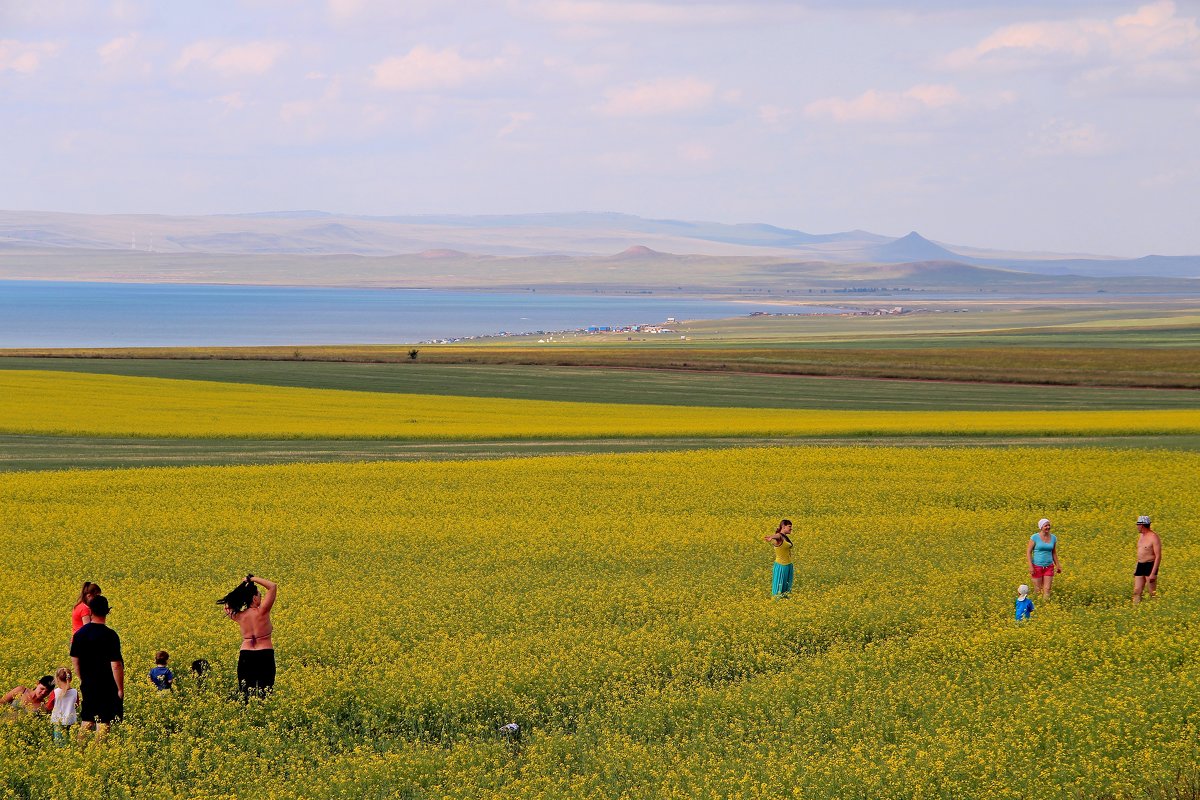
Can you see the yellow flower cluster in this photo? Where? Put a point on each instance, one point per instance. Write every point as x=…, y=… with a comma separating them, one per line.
x=618, y=609
x=105, y=405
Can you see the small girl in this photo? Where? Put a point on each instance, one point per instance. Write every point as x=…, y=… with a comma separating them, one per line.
x=63, y=716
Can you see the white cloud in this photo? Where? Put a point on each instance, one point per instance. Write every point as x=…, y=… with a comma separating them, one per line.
x=615, y=12
x=297, y=109
x=234, y=101
x=582, y=74
x=25, y=57
x=1166, y=179
x=345, y=9
x=1153, y=44
x=373, y=12
x=515, y=120
x=229, y=60
x=118, y=49
x=326, y=104
x=426, y=69
x=874, y=105
x=772, y=115
x=1064, y=138
x=658, y=97
x=696, y=152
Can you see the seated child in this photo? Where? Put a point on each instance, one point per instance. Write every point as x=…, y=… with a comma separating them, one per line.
x=160, y=674
x=1024, y=606
x=65, y=700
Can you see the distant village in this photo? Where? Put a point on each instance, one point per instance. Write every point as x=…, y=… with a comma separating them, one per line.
x=550, y=336
x=665, y=327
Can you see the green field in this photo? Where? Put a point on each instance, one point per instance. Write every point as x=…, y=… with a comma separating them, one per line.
x=995, y=357
x=1138, y=345
x=615, y=385
x=236, y=416
x=26, y=453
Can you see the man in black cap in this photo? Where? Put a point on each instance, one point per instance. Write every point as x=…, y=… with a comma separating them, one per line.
x=96, y=656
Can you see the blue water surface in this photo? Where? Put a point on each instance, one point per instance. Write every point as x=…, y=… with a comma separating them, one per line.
x=70, y=314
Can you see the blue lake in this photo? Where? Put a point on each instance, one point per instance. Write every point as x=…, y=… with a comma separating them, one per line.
x=61, y=314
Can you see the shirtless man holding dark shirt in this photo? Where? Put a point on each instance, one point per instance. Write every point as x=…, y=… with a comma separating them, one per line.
x=1149, y=556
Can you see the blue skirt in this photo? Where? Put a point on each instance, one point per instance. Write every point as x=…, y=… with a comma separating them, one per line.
x=781, y=580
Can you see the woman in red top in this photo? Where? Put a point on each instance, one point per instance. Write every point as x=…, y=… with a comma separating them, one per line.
x=81, y=615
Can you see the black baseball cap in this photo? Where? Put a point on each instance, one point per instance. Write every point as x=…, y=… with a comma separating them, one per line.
x=99, y=606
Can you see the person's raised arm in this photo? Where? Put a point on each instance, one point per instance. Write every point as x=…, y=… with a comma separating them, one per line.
x=269, y=598
x=12, y=695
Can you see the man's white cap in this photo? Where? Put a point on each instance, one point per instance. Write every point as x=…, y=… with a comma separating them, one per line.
x=1143, y=520
x=1043, y=522
x=1023, y=589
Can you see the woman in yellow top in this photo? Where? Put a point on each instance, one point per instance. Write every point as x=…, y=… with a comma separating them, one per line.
x=781, y=581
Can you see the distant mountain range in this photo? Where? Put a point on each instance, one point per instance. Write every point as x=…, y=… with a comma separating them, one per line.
x=447, y=250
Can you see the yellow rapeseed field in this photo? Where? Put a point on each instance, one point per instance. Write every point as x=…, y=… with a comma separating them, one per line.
x=618, y=608
x=105, y=405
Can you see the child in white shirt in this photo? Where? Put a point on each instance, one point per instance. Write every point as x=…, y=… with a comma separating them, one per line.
x=63, y=715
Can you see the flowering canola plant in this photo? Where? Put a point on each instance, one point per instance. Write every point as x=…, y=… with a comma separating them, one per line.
x=618, y=609
x=58, y=403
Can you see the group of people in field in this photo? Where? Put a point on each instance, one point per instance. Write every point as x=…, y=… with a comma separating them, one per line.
x=1041, y=554
x=97, y=661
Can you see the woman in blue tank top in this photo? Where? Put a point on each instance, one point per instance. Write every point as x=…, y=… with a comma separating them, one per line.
x=1042, y=554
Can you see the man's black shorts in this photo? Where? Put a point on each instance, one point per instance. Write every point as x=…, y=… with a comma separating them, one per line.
x=102, y=709
x=1143, y=569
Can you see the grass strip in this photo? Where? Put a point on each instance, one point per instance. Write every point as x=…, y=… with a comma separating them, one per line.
x=21, y=453
x=1161, y=367
x=637, y=386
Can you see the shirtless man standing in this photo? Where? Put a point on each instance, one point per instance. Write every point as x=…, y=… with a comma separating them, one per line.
x=1149, y=556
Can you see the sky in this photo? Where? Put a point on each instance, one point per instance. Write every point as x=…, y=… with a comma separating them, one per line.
x=1066, y=127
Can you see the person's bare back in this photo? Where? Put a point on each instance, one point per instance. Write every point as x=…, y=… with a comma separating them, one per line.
x=256, y=628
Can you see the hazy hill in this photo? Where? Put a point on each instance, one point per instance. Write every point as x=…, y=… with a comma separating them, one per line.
x=913, y=247
x=637, y=270
x=80, y=239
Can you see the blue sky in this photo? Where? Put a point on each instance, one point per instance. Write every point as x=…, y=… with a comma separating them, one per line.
x=995, y=124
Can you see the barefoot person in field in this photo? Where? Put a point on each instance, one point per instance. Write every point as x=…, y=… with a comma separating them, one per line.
x=1042, y=554
x=1149, y=556
x=252, y=612
x=781, y=578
